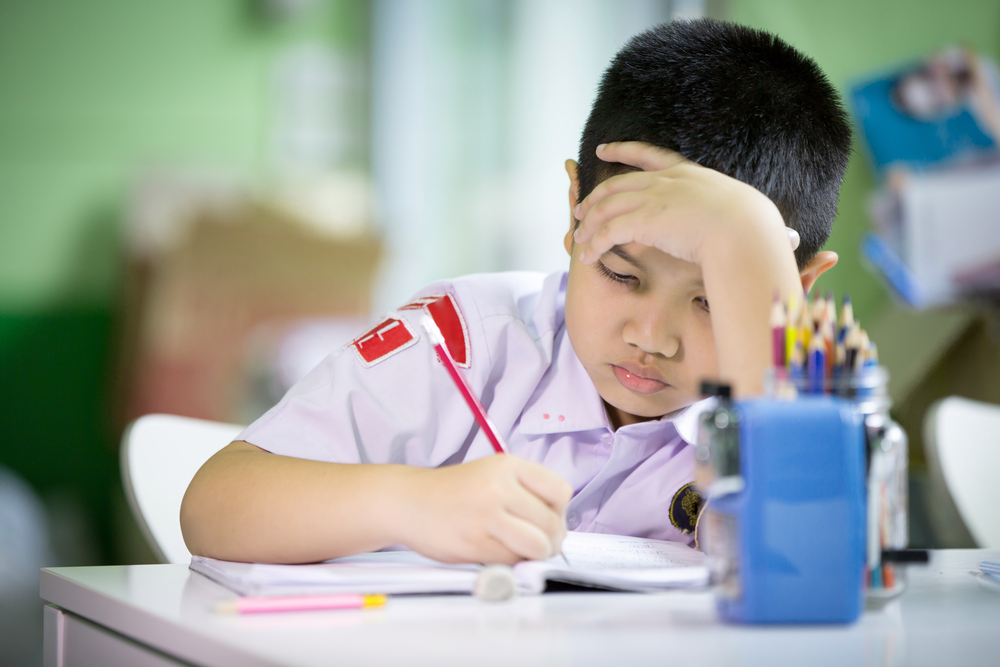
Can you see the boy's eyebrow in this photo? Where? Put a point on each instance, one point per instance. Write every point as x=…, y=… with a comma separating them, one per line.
x=621, y=252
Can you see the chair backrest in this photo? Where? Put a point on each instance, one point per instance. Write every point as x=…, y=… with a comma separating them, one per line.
x=160, y=455
x=962, y=443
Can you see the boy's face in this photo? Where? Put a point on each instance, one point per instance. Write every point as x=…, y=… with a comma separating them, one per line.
x=639, y=321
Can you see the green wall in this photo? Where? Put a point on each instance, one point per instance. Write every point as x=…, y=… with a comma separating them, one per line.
x=851, y=37
x=90, y=93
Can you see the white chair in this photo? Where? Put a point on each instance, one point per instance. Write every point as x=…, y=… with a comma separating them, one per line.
x=160, y=455
x=962, y=444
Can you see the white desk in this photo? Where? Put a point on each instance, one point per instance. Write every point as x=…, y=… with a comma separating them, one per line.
x=161, y=615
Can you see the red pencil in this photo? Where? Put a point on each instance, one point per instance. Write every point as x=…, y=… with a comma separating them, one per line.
x=478, y=411
x=778, y=321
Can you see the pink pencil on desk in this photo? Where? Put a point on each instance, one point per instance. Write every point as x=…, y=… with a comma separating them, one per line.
x=250, y=605
x=478, y=411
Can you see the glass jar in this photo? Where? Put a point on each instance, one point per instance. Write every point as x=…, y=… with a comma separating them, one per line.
x=887, y=450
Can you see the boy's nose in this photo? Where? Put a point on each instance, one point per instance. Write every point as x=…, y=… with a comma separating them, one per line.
x=653, y=335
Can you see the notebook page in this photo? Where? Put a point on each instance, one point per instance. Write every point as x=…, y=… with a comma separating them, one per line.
x=387, y=572
x=594, y=551
x=617, y=562
x=628, y=563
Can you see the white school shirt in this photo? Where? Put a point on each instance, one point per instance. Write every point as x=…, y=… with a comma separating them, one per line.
x=385, y=398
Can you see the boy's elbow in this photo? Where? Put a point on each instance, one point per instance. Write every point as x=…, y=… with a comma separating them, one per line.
x=198, y=516
x=192, y=520
x=207, y=509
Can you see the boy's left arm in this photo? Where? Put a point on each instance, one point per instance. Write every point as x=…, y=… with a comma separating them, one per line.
x=730, y=229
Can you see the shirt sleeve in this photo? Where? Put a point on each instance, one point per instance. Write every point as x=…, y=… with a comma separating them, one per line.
x=382, y=398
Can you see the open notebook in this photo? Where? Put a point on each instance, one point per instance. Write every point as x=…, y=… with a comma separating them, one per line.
x=589, y=559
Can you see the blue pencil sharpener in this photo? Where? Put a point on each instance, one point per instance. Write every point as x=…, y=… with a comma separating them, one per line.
x=784, y=526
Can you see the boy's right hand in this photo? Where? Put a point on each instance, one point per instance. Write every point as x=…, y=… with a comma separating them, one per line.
x=499, y=509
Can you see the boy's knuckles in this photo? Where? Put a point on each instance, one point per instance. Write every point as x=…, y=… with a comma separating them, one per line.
x=552, y=525
x=565, y=493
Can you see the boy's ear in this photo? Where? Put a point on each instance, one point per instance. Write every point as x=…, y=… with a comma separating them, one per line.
x=574, y=191
x=821, y=262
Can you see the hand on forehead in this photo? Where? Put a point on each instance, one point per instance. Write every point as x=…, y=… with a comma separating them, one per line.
x=662, y=200
x=637, y=154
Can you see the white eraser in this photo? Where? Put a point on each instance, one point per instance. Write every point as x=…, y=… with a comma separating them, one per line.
x=495, y=583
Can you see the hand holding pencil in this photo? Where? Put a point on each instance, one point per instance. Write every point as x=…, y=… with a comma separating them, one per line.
x=497, y=509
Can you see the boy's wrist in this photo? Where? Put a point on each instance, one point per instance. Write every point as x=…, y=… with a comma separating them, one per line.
x=401, y=492
x=742, y=266
x=756, y=235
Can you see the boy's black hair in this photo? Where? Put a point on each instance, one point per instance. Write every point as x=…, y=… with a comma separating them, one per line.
x=734, y=99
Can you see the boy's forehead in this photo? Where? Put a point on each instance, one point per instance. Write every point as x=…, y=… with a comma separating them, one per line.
x=656, y=262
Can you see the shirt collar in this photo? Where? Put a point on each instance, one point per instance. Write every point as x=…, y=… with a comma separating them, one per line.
x=565, y=400
x=686, y=421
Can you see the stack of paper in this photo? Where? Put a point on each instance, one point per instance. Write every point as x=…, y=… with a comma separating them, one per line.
x=600, y=561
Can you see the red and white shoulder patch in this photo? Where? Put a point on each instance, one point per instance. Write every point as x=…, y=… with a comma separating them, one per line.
x=385, y=339
x=446, y=314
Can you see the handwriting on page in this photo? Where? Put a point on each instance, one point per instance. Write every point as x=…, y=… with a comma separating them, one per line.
x=626, y=553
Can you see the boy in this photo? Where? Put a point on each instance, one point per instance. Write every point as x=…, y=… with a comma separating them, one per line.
x=705, y=141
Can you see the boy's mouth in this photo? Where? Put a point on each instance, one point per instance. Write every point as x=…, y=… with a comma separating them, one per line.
x=639, y=379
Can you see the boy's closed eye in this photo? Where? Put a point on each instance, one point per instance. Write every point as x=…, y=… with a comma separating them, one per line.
x=632, y=281
x=615, y=277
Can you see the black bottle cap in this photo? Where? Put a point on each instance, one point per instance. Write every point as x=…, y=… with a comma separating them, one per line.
x=905, y=556
x=716, y=389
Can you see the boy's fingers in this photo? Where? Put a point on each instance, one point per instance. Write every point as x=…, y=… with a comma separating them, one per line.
x=547, y=485
x=521, y=537
x=607, y=209
x=639, y=154
x=494, y=551
x=621, y=230
x=630, y=182
x=531, y=508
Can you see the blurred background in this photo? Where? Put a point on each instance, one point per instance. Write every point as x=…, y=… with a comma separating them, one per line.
x=200, y=200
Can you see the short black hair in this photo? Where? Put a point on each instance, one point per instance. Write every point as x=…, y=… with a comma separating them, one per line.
x=734, y=99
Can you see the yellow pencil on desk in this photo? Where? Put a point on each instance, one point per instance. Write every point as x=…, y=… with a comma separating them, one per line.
x=262, y=605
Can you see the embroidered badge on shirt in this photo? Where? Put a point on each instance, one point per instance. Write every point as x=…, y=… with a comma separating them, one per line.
x=385, y=339
x=684, y=509
x=448, y=317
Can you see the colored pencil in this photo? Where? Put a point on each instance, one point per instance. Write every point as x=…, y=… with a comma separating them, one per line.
x=846, y=318
x=872, y=358
x=851, y=340
x=826, y=331
x=862, y=355
x=817, y=365
x=258, y=605
x=478, y=411
x=791, y=327
x=778, y=321
x=796, y=365
x=806, y=325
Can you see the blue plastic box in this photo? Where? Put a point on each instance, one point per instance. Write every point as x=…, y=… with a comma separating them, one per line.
x=790, y=547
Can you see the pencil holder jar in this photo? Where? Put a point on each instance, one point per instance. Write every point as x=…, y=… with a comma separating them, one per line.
x=886, y=465
x=784, y=528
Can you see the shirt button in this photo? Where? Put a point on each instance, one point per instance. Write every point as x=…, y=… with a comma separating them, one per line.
x=572, y=520
x=608, y=440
